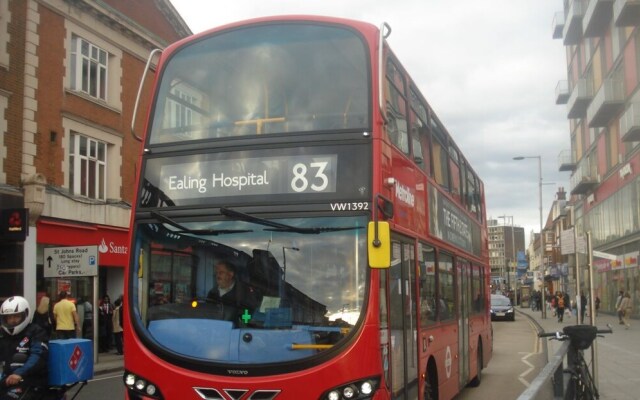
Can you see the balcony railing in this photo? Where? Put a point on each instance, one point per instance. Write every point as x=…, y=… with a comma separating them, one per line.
x=606, y=103
x=596, y=17
x=626, y=12
x=572, y=31
x=630, y=124
x=585, y=178
x=579, y=99
x=558, y=25
x=567, y=160
x=562, y=92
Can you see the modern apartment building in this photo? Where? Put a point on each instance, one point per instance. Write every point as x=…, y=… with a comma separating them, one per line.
x=69, y=76
x=602, y=97
x=505, y=242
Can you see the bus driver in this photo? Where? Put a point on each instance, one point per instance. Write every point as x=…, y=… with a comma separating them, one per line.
x=234, y=297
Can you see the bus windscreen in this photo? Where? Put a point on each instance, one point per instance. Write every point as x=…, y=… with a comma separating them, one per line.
x=299, y=285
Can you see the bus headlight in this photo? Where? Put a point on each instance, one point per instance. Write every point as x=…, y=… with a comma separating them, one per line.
x=139, y=388
x=356, y=390
x=333, y=395
x=129, y=379
x=366, y=388
x=348, y=392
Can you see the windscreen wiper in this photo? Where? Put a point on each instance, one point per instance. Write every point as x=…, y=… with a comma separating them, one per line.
x=319, y=229
x=277, y=226
x=183, y=229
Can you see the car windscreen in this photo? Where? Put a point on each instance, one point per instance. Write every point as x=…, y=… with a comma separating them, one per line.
x=500, y=301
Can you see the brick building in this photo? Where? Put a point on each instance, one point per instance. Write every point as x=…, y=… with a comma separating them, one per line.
x=69, y=76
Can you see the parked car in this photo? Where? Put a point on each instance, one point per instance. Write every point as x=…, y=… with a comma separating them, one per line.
x=501, y=308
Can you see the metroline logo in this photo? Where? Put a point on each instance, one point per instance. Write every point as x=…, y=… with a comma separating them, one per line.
x=403, y=193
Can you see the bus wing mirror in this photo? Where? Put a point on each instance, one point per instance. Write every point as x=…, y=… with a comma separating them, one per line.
x=379, y=240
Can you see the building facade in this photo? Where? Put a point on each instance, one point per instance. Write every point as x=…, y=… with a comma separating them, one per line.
x=602, y=96
x=505, y=242
x=69, y=76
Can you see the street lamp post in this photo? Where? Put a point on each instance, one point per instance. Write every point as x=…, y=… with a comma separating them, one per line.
x=542, y=298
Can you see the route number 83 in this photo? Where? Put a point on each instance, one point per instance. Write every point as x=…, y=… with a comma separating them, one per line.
x=300, y=181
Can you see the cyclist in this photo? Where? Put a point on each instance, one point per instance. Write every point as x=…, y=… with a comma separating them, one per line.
x=23, y=352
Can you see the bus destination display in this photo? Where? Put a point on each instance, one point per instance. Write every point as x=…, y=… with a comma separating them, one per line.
x=250, y=176
x=291, y=174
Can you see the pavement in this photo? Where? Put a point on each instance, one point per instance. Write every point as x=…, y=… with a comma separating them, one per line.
x=108, y=363
x=617, y=354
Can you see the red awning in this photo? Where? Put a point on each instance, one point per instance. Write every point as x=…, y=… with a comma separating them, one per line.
x=112, y=241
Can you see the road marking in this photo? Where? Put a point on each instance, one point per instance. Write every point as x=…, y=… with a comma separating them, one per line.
x=102, y=378
x=536, y=340
x=536, y=350
x=524, y=360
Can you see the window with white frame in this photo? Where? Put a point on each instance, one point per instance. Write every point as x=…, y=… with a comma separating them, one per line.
x=87, y=166
x=89, y=68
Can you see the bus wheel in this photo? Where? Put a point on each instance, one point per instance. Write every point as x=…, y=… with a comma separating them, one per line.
x=431, y=383
x=478, y=378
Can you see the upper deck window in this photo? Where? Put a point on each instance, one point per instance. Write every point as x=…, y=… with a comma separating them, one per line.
x=268, y=79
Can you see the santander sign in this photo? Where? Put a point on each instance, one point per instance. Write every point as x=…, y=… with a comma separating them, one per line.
x=112, y=248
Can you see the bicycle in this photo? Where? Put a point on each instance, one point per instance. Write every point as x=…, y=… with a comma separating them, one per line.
x=581, y=384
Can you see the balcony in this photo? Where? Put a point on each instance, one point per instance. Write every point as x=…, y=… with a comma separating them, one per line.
x=579, y=99
x=584, y=179
x=626, y=12
x=567, y=160
x=558, y=25
x=630, y=124
x=562, y=92
x=606, y=103
x=572, y=31
x=596, y=17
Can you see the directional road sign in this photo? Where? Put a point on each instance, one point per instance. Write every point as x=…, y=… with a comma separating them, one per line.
x=70, y=261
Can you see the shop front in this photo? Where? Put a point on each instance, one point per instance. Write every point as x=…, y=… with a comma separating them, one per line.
x=620, y=274
x=113, y=256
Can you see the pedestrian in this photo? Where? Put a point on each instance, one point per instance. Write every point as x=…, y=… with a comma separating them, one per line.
x=80, y=311
x=625, y=309
x=66, y=316
x=597, y=305
x=618, y=301
x=105, y=324
x=560, y=304
x=582, y=304
x=44, y=315
x=117, y=324
x=87, y=325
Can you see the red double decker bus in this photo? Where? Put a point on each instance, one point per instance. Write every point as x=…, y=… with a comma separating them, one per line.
x=295, y=157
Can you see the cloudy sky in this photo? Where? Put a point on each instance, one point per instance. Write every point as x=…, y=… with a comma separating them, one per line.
x=488, y=68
